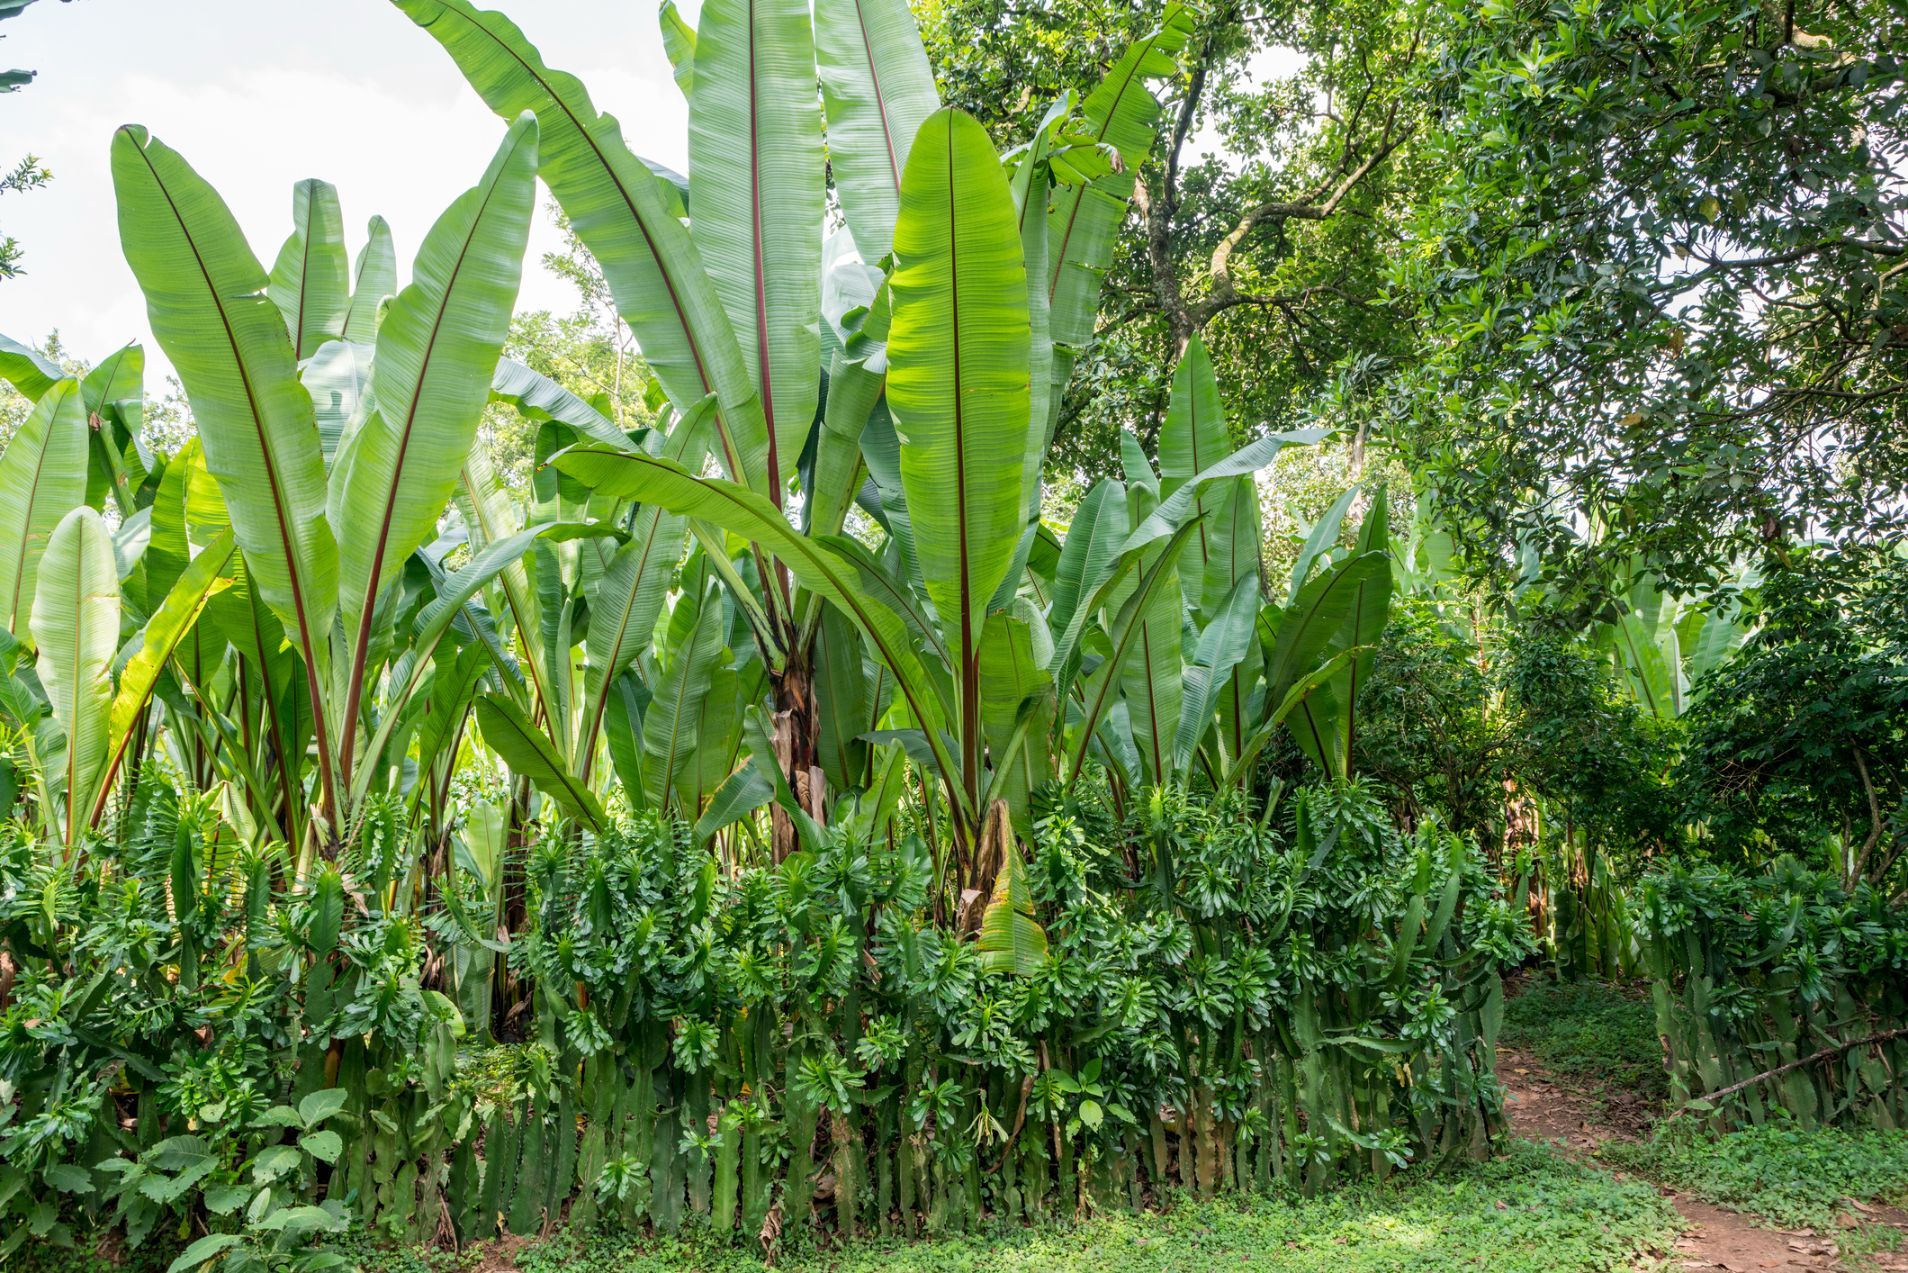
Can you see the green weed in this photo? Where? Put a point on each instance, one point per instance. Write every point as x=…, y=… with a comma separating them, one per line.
x=1590, y=1030
x=1791, y=1177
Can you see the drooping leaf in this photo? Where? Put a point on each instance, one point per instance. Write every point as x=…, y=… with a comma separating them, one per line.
x=525, y=749
x=27, y=369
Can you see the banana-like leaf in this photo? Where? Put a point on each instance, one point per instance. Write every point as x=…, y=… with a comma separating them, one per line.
x=115, y=396
x=1090, y=553
x=338, y=378
x=619, y=209
x=27, y=369
x=1085, y=219
x=1331, y=713
x=311, y=280
x=1176, y=508
x=1320, y=540
x=1222, y=647
x=958, y=370
x=208, y=575
x=757, y=183
x=670, y=726
x=679, y=43
x=626, y=475
x=436, y=354
x=1150, y=678
x=525, y=749
x=878, y=90
x=1311, y=627
x=537, y=397
x=205, y=295
x=1161, y=573
x=373, y=278
x=1194, y=435
x=42, y=478
x=1011, y=940
x=626, y=600
x=434, y=620
x=76, y=628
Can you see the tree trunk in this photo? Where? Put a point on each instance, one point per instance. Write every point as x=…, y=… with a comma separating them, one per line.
x=797, y=741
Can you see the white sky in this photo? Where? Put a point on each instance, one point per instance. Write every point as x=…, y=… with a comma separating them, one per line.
x=258, y=94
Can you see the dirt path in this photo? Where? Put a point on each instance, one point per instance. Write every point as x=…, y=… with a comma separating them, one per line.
x=1714, y=1238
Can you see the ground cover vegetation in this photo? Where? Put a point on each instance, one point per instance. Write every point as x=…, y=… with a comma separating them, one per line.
x=1005, y=668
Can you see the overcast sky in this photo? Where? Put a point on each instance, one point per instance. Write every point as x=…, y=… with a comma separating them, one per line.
x=257, y=94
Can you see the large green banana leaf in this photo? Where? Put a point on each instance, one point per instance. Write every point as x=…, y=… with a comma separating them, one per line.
x=1085, y=219
x=958, y=374
x=650, y=478
x=76, y=628
x=619, y=209
x=1193, y=435
x=207, y=575
x=373, y=278
x=27, y=369
x=628, y=597
x=42, y=478
x=311, y=280
x=205, y=295
x=671, y=731
x=757, y=180
x=437, y=351
x=879, y=90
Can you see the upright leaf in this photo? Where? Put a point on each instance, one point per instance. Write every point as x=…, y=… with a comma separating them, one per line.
x=879, y=90
x=205, y=295
x=756, y=181
x=42, y=478
x=373, y=278
x=76, y=627
x=958, y=375
x=619, y=209
x=437, y=351
x=311, y=281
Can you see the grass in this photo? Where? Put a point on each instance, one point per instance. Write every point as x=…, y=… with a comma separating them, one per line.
x=1590, y=1031
x=1529, y=1212
x=1790, y=1177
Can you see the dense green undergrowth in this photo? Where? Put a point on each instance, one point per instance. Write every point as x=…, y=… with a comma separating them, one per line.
x=1591, y=1032
x=1791, y=1177
x=1528, y=1212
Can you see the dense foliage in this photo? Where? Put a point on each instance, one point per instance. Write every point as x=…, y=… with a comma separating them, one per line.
x=853, y=732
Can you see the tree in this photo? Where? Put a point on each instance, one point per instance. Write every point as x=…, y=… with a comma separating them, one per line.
x=1660, y=282
x=1802, y=740
x=1272, y=245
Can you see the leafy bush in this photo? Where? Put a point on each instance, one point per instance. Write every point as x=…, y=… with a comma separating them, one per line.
x=1753, y=972
x=1220, y=999
x=1791, y=1176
